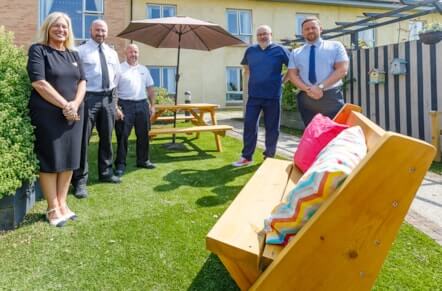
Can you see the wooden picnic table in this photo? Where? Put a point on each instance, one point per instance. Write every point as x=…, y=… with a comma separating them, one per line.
x=197, y=111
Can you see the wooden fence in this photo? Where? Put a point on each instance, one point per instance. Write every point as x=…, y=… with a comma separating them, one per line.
x=403, y=102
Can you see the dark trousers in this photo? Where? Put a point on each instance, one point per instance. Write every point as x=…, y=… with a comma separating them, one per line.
x=136, y=113
x=100, y=112
x=271, y=109
x=330, y=104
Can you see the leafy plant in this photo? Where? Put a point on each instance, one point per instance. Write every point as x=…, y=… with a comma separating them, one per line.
x=429, y=27
x=162, y=96
x=288, y=98
x=18, y=162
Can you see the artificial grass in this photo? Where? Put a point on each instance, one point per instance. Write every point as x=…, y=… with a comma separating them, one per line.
x=148, y=233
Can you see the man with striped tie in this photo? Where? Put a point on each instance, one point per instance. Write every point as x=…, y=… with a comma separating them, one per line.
x=317, y=69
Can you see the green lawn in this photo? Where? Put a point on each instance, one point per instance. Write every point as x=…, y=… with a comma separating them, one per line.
x=148, y=233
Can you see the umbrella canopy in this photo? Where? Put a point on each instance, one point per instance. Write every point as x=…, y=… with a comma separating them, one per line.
x=181, y=31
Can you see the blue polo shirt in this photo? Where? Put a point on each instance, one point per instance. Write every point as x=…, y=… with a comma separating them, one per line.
x=265, y=68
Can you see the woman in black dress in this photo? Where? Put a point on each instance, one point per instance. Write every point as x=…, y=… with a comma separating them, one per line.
x=56, y=106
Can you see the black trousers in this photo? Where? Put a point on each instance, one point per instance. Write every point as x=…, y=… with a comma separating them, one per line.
x=100, y=112
x=330, y=104
x=136, y=113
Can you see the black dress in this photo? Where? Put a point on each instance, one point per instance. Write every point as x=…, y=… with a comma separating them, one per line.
x=58, y=141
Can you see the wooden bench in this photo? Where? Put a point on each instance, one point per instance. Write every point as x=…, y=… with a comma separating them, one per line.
x=436, y=133
x=170, y=118
x=218, y=130
x=343, y=246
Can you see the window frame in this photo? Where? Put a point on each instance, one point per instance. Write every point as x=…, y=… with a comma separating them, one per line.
x=162, y=6
x=43, y=7
x=240, y=34
x=161, y=74
x=240, y=90
x=299, y=25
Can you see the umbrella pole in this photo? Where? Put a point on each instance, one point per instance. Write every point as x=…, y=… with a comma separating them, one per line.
x=174, y=145
x=177, y=79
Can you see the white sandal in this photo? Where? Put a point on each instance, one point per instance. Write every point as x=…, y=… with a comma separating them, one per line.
x=70, y=215
x=58, y=222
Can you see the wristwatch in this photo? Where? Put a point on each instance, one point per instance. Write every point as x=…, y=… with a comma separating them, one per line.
x=321, y=86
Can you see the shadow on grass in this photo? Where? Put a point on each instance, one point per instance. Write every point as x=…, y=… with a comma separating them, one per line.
x=218, y=178
x=32, y=218
x=158, y=154
x=213, y=276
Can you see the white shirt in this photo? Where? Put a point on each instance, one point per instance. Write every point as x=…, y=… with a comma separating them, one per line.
x=89, y=54
x=133, y=82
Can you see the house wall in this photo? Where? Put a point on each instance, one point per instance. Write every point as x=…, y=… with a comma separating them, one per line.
x=22, y=18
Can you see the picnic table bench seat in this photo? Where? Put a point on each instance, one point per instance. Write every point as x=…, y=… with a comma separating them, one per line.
x=218, y=130
x=344, y=244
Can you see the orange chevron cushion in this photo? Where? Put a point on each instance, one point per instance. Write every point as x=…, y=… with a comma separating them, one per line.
x=334, y=163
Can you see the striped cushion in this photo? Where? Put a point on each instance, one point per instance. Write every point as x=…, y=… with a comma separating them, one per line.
x=333, y=164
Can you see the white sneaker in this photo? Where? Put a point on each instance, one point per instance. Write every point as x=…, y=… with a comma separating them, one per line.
x=242, y=162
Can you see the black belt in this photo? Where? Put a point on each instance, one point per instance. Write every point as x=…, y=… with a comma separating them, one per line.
x=101, y=93
x=132, y=101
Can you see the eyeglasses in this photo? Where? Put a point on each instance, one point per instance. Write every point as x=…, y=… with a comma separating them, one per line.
x=263, y=34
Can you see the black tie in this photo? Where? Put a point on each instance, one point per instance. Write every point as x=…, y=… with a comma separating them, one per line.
x=104, y=70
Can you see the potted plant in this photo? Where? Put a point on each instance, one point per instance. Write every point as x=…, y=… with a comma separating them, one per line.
x=18, y=163
x=431, y=34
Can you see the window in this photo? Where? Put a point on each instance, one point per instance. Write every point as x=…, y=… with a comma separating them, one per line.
x=239, y=23
x=163, y=77
x=300, y=17
x=81, y=12
x=414, y=28
x=366, y=37
x=233, y=84
x=158, y=11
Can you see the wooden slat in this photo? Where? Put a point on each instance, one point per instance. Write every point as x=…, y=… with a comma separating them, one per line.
x=235, y=234
x=343, y=246
x=171, y=130
x=170, y=118
x=436, y=133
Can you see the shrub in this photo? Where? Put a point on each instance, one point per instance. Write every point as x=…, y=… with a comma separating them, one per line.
x=288, y=99
x=289, y=92
x=18, y=162
x=162, y=96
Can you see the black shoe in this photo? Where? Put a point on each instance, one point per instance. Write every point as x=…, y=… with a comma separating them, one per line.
x=119, y=170
x=147, y=165
x=110, y=179
x=80, y=191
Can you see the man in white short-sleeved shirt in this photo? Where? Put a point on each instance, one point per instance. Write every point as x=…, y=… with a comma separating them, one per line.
x=134, y=87
x=317, y=69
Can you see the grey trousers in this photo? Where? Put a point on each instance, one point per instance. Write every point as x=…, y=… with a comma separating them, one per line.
x=330, y=104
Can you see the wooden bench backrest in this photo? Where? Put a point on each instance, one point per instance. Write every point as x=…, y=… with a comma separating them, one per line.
x=345, y=243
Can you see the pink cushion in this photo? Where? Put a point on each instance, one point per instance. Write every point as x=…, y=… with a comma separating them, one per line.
x=320, y=131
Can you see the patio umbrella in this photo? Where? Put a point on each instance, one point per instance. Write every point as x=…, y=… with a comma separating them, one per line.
x=179, y=32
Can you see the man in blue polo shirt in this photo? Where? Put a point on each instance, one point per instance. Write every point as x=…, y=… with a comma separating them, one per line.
x=317, y=69
x=263, y=63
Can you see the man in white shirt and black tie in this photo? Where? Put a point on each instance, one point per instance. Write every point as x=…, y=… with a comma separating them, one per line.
x=101, y=66
x=134, y=86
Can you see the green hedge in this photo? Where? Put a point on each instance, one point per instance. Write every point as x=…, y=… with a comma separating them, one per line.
x=18, y=162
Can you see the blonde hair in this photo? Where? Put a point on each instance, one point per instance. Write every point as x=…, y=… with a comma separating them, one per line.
x=43, y=35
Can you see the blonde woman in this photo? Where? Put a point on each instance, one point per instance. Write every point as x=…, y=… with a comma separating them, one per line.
x=56, y=106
